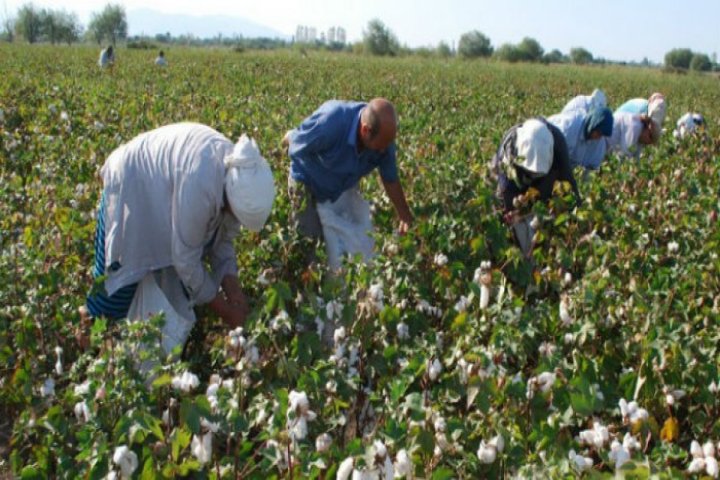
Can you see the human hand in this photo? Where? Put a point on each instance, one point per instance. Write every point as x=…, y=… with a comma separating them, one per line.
x=403, y=227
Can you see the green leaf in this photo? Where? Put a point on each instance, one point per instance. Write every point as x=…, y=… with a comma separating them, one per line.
x=443, y=473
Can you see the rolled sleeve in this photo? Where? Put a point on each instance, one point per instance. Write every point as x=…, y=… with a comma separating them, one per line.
x=222, y=256
x=388, y=165
x=194, y=206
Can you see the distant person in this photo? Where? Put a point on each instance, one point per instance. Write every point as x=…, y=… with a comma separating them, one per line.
x=160, y=60
x=532, y=154
x=654, y=107
x=631, y=133
x=688, y=125
x=583, y=132
x=597, y=99
x=107, y=57
x=173, y=200
x=330, y=152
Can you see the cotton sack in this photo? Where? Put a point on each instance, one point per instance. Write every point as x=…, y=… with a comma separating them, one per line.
x=249, y=184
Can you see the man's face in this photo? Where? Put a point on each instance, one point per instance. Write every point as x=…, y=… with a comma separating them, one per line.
x=380, y=142
x=595, y=134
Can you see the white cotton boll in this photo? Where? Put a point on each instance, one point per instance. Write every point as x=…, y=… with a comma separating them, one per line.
x=380, y=448
x=486, y=453
x=618, y=454
x=82, y=412
x=567, y=279
x=711, y=467
x=319, y=326
x=440, y=259
x=498, y=442
x=545, y=381
x=673, y=247
x=166, y=417
x=569, y=338
x=565, y=317
x=697, y=465
x=403, y=464
x=339, y=335
x=403, y=331
x=323, y=442
x=462, y=304
x=299, y=402
x=535, y=223
x=434, y=369
x=714, y=388
x=333, y=309
x=630, y=443
x=298, y=428
x=64, y=116
x=624, y=410
x=696, y=450
x=48, y=388
x=185, y=382
x=581, y=463
x=126, y=459
x=201, y=447
x=484, y=296
x=708, y=449
x=670, y=400
x=345, y=469
x=376, y=292
x=82, y=389
x=211, y=426
x=58, y=367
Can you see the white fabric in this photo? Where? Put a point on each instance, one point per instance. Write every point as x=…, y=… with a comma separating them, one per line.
x=249, y=184
x=161, y=62
x=586, y=102
x=534, y=144
x=657, y=108
x=163, y=200
x=687, y=124
x=162, y=292
x=347, y=227
x=105, y=58
x=624, y=141
x=586, y=153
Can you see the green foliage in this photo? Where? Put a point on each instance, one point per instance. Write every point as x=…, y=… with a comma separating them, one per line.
x=379, y=39
x=679, y=58
x=580, y=56
x=620, y=299
x=110, y=24
x=700, y=63
x=474, y=44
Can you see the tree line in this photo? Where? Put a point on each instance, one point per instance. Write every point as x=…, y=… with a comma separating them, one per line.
x=34, y=24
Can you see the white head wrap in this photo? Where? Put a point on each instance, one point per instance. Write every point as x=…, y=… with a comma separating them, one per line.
x=535, y=147
x=249, y=184
x=657, y=108
x=688, y=123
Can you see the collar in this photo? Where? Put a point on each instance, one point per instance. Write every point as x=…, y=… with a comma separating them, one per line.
x=352, y=136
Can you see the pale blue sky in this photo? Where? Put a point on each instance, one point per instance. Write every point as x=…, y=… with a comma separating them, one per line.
x=614, y=29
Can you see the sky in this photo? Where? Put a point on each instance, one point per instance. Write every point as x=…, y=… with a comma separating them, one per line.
x=614, y=29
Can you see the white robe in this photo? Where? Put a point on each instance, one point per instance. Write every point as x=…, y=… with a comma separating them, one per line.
x=583, y=152
x=163, y=200
x=625, y=139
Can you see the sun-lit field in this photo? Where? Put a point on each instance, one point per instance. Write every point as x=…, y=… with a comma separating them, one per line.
x=439, y=368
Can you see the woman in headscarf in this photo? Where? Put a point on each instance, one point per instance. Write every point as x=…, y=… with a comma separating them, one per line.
x=532, y=154
x=583, y=133
x=654, y=107
x=689, y=124
x=172, y=199
x=586, y=102
x=631, y=133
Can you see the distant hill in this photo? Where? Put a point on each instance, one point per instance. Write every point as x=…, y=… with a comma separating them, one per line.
x=151, y=22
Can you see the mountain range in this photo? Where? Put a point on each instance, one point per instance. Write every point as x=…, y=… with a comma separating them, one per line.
x=151, y=22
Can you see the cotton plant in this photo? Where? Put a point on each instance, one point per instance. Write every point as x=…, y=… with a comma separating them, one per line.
x=632, y=412
x=704, y=459
x=483, y=278
x=126, y=460
x=488, y=452
x=298, y=415
x=185, y=382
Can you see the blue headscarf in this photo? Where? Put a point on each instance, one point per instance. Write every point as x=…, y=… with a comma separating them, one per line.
x=598, y=118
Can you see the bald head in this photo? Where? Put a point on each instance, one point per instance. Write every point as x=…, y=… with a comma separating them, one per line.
x=378, y=124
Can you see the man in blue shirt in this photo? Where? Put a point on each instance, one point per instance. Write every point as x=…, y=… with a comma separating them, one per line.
x=334, y=148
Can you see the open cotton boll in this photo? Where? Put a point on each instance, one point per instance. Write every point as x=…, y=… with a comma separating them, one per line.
x=323, y=442
x=201, y=447
x=434, y=369
x=345, y=469
x=486, y=453
x=126, y=459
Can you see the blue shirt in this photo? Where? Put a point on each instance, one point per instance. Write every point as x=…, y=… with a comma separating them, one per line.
x=638, y=106
x=324, y=152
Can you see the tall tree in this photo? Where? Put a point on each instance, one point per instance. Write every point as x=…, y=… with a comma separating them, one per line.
x=379, y=39
x=530, y=50
x=580, y=56
x=474, y=44
x=110, y=24
x=29, y=23
x=679, y=58
x=700, y=62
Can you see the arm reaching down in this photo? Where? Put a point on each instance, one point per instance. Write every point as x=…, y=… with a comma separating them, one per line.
x=397, y=197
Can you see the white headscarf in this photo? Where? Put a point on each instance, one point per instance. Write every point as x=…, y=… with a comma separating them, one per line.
x=598, y=99
x=249, y=184
x=535, y=147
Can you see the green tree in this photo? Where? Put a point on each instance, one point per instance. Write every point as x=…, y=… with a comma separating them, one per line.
x=508, y=52
x=700, y=62
x=8, y=28
x=444, y=50
x=530, y=50
x=580, y=56
x=474, y=44
x=379, y=39
x=554, y=56
x=679, y=58
x=110, y=24
x=29, y=23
